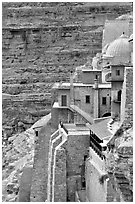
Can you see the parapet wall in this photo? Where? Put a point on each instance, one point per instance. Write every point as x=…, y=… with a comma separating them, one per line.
x=60, y=183
x=40, y=168
x=76, y=148
x=56, y=187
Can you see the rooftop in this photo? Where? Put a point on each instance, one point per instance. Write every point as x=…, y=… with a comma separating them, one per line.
x=56, y=105
x=77, y=129
x=67, y=85
x=101, y=129
x=91, y=70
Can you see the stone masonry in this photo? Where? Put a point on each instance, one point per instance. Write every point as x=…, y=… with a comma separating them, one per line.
x=127, y=111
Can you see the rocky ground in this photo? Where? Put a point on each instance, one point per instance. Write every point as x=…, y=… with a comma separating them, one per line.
x=120, y=165
x=18, y=152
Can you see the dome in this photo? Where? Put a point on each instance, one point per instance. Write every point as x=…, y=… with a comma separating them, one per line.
x=119, y=50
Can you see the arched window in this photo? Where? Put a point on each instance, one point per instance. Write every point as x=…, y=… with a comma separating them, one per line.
x=119, y=95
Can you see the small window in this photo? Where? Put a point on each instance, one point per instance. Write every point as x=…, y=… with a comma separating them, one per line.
x=103, y=100
x=117, y=72
x=87, y=99
x=64, y=100
x=110, y=100
x=96, y=76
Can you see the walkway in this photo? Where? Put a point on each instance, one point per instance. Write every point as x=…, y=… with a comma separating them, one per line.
x=40, y=174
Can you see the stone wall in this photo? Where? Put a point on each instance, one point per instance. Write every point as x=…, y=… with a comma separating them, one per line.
x=127, y=99
x=40, y=168
x=80, y=93
x=120, y=159
x=60, y=187
x=65, y=115
x=104, y=108
x=95, y=191
x=76, y=148
x=119, y=164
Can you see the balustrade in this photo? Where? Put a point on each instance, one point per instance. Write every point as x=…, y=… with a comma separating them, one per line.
x=96, y=147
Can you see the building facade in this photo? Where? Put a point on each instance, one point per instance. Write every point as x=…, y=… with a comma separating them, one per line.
x=89, y=111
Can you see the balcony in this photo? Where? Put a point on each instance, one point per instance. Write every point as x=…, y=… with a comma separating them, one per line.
x=96, y=147
x=110, y=77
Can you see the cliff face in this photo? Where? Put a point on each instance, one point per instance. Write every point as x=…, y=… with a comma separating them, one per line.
x=41, y=43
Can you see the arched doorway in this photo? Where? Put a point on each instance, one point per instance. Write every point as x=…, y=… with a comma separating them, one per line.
x=119, y=95
x=106, y=115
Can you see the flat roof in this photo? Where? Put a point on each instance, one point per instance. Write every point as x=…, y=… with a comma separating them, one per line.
x=77, y=129
x=56, y=105
x=66, y=85
x=104, y=86
x=91, y=70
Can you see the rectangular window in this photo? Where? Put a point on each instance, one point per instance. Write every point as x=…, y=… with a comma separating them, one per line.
x=117, y=72
x=64, y=100
x=103, y=100
x=87, y=99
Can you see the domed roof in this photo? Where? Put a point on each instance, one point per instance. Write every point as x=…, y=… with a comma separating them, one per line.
x=119, y=49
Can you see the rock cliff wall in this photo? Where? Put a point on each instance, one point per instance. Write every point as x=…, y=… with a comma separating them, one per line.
x=41, y=43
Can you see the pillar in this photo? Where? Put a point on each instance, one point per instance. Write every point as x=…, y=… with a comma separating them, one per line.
x=71, y=89
x=96, y=99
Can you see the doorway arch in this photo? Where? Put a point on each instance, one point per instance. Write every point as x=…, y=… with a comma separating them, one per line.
x=106, y=115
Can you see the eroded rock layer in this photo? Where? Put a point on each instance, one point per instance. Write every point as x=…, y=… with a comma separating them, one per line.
x=41, y=43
